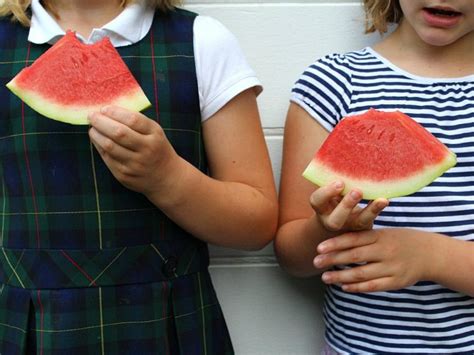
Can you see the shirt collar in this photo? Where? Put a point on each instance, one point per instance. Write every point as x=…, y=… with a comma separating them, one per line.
x=129, y=27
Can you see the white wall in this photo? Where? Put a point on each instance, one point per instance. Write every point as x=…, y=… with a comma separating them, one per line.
x=269, y=312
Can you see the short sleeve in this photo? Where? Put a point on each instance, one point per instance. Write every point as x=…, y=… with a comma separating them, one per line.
x=324, y=90
x=221, y=67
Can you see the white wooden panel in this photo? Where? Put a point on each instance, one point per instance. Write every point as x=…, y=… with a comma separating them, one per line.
x=280, y=40
x=275, y=147
x=261, y=256
x=268, y=312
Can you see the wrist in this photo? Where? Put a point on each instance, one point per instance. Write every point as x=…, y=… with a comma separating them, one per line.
x=169, y=186
x=316, y=231
x=437, y=263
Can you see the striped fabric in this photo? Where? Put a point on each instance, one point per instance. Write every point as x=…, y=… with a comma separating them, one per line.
x=424, y=318
x=86, y=265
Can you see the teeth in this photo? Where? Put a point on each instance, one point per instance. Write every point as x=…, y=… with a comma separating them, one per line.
x=443, y=12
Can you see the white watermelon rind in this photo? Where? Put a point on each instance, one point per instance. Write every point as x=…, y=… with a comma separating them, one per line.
x=321, y=175
x=76, y=115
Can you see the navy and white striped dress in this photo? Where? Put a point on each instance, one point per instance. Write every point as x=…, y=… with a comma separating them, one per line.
x=424, y=318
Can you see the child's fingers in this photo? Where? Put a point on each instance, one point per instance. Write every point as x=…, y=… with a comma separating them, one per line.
x=375, y=285
x=324, y=199
x=366, y=217
x=135, y=120
x=355, y=274
x=108, y=148
x=339, y=216
x=115, y=131
x=334, y=202
x=350, y=256
x=347, y=241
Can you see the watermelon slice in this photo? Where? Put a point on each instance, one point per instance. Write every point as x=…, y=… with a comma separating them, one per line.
x=72, y=79
x=383, y=154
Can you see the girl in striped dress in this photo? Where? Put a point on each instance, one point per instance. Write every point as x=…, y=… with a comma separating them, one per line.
x=104, y=228
x=412, y=290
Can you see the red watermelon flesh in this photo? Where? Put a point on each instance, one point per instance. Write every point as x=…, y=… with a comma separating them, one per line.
x=72, y=79
x=383, y=154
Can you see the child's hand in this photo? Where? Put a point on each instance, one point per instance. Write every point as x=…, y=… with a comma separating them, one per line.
x=134, y=148
x=340, y=214
x=391, y=259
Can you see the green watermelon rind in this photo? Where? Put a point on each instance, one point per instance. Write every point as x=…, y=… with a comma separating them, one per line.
x=76, y=115
x=322, y=175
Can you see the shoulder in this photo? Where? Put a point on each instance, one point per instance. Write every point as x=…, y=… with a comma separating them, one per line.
x=324, y=89
x=221, y=67
x=207, y=32
x=339, y=63
x=176, y=22
x=11, y=33
x=9, y=25
x=332, y=72
x=215, y=45
x=212, y=33
x=184, y=13
x=177, y=13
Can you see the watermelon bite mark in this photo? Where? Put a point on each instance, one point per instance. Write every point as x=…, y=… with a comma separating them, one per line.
x=384, y=154
x=71, y=79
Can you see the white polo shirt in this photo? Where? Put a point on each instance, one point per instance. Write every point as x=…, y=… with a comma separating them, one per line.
x=221, y=67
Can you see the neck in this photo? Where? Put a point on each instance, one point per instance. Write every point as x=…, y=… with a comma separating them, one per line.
x=83, y=16
x=408, y=51
x=460, y=48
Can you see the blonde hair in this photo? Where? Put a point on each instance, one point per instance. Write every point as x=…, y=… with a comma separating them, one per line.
x=379, y=13
x=18, y=9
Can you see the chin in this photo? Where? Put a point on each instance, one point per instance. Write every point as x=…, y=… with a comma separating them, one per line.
x=437, y=40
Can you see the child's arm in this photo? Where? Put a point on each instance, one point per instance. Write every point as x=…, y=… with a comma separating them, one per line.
x=396, y=258
x=308, y=217
x=236, y=207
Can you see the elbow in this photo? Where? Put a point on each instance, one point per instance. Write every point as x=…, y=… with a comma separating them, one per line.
x=298, y=271
x=283, y=261
x=265, y=231
x=291, y=260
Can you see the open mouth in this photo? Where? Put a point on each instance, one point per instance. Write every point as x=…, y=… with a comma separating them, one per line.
x=442, y=12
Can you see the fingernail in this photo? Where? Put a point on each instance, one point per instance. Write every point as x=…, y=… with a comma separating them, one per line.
x=355, y=195
x=338, y=185
x=381, y=205
x=326, y=277
x=322, y=248
x=104, y=109
x=318, y=260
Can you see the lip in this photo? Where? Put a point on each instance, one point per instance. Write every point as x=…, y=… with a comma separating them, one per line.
x=440, y=20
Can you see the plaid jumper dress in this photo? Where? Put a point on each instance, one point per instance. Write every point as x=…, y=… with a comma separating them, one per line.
x=86, y=265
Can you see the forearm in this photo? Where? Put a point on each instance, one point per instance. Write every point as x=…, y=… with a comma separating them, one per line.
x=453, y=262
x=225, y=213
x=296, y=243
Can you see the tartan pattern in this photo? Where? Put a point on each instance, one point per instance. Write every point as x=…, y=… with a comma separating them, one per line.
x=56, y=192
x=155, y=318
x=59, y=268
x=86, y=265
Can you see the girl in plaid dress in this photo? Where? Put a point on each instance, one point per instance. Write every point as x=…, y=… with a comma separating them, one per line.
x=104, y=229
